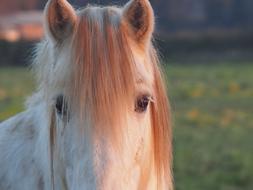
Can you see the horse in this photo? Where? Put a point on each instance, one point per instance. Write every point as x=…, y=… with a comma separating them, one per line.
x=99, y=117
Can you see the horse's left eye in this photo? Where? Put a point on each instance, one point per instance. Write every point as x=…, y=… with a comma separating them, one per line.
x=142, y=103
x=61, y=105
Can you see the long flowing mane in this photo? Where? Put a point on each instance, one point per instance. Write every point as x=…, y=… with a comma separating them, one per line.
x=102, y=76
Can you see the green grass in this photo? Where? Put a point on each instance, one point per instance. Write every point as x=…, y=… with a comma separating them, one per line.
x=213, y=124
x=15, y=85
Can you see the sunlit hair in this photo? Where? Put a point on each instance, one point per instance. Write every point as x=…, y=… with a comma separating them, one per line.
x=103, y=73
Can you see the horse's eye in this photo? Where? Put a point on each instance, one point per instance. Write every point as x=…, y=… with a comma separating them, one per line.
x=141, y=104
x=61, y=105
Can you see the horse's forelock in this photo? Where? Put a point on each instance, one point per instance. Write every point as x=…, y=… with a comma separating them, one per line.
x=103, y=68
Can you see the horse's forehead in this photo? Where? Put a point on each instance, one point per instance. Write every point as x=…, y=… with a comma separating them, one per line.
x=144, y=69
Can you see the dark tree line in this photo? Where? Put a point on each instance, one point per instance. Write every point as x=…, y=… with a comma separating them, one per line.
x=171, y=14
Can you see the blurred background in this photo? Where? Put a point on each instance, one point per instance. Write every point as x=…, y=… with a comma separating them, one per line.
x=207, y=52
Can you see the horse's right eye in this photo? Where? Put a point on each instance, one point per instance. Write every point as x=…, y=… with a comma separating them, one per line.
x=61, y=105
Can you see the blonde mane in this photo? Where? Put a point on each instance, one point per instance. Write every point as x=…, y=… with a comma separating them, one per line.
x=102, y=76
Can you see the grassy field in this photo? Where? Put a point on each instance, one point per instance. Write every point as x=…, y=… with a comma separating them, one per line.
x=213, y=126
x=15, y=85
x=213, y=121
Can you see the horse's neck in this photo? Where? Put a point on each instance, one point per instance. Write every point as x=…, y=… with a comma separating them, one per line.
x=24, y=151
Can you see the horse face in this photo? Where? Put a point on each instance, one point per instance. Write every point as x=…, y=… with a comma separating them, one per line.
x=102, y=87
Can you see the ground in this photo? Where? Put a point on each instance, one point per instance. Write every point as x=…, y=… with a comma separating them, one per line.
x=212, y=108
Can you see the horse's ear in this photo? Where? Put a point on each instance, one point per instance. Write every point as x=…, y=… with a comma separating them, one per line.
x=139, y=17
x=60, y=19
